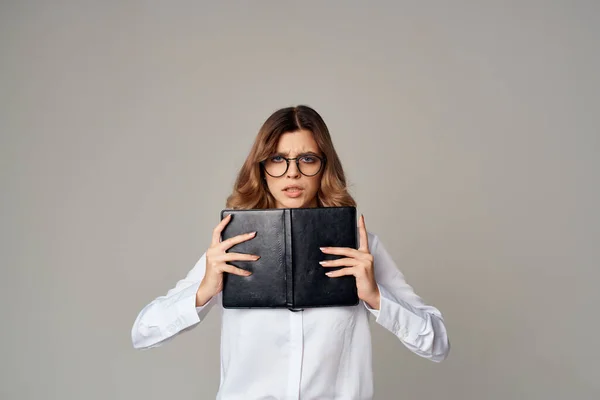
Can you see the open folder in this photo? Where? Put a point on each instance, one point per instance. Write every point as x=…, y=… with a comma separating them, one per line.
x=288, y=274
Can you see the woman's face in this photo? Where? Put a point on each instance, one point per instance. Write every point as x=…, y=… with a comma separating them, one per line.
x=293, y=189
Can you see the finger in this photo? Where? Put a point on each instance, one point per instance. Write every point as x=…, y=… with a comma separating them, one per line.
x=235, y=271
x=340, y=262
x=237, y=257
x=226, y=244
x=342, y=251
x=364, y=238
x=216, y=236
x=341, y=272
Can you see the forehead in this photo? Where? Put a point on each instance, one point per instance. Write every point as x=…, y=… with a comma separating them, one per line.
x=301, y=141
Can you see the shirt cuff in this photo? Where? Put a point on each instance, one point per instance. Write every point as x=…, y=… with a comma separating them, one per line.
x=400, y=318
x=372, y=310
x=187, y=313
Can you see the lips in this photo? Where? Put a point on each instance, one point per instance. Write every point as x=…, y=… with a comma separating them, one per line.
x=293, y=192
x=292, y=189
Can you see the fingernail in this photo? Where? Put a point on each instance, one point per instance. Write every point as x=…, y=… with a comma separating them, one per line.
x=328, y=273
x=322, y=248
x=252, y=233
x=322, y=262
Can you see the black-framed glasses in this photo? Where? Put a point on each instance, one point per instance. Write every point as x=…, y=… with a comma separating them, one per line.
x=307, y=164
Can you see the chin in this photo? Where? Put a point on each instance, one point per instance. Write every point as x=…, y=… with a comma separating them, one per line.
x=294, y=203
x=287, y=203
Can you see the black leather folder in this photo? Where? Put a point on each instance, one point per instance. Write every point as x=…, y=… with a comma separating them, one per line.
x=288, y=274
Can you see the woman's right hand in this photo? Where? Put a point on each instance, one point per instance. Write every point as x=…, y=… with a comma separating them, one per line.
x=216, y=262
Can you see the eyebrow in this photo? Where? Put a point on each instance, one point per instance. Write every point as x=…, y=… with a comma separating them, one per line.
x=302, y=153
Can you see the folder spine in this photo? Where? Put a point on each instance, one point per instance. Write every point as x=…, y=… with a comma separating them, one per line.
x=289, y=271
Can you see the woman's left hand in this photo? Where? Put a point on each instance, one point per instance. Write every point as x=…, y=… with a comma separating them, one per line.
x=358, y=263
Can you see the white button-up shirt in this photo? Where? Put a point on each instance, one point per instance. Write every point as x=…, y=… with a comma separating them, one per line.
x=318, y=353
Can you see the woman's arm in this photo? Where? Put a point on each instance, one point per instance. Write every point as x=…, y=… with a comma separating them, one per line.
x=420, y=327
x=169, y=315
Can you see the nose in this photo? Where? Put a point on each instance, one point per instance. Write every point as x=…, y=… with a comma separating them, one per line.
x=293, y=171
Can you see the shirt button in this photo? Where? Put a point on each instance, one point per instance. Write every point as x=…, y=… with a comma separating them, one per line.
x=144, y=329
x=171, y=329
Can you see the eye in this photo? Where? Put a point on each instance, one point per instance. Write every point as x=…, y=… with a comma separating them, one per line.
x=308, y=159
x=276, y=159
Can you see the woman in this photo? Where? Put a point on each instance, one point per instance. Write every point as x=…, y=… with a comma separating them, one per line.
x=318, y=353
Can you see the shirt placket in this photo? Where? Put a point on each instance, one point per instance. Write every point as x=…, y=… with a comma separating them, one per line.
x=296, y=352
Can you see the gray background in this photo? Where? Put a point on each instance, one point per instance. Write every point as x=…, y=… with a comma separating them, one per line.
x=468, y=130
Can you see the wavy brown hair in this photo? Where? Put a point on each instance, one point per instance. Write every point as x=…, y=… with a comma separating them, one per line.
x=250, y=190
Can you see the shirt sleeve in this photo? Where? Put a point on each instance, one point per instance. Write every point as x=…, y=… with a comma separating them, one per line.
x=420, y=327
x=173, y=313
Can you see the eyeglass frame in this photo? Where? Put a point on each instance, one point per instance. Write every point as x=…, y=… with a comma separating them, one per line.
x=287, y=166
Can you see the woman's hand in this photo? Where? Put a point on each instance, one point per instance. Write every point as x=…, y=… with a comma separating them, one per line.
x=358, y=263
x=216, y=262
